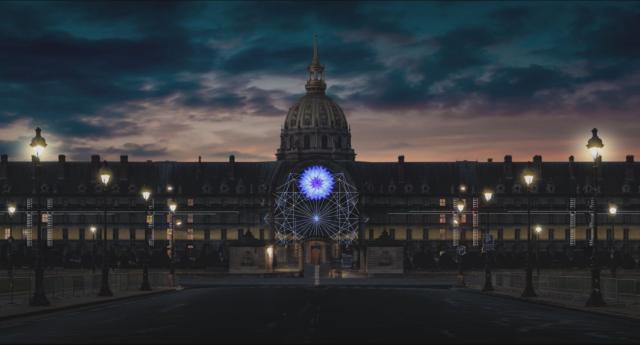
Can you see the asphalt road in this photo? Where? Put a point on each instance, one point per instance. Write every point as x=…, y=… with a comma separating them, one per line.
x=319, y=315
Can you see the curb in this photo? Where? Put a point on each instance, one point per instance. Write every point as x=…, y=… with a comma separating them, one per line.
x=551, y=304
x=54, y=309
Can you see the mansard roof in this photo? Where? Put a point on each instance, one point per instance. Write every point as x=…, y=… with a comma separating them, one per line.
x=394, y=178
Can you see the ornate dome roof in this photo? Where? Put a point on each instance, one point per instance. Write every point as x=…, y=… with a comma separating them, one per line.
x=315, y=110
x=316, y=126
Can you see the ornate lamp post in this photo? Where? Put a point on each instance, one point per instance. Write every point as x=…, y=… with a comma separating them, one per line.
x=11, y=209
x=460, y=207
x=488, y=285
x=39, y=298
x=146, y=195
x=173, y=206
x=93, y=230
x=595, y=145
x=105, y=176
x=528, y=177
x=613, y=210
x=538, y=230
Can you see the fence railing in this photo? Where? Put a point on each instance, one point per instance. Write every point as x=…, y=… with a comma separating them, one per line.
x=19, y=289
x=574, y=287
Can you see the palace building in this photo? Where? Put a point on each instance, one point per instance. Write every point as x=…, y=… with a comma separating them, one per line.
x=317, y=204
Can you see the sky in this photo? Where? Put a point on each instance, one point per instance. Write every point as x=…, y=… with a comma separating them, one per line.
x=434, y=81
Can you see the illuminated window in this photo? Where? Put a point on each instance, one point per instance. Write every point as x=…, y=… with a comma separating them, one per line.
x=189, y=234
x=190, y=202
x=443, y=218
x=7, y=233
x=463, y=218
x=443, y=234
x=443, y=202
x=149, y=219
x=190, y=218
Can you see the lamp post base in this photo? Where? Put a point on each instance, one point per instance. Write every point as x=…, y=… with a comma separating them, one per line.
x=595, y=299
x=528, y=290
x=39, y=300
x=105, y=289
x=488, y=285
x=145, y=279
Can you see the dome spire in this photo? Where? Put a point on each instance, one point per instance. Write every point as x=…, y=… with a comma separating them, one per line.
x=315, y=60
x=315, y=83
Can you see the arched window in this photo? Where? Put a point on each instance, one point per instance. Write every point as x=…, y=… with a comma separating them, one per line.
x=324, y=141
x=307, y=141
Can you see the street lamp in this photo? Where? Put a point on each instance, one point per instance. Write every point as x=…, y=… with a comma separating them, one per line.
x=459, y=251
x=538, y=231
x=613, y=210
x=105, y=175
x=595, y=145
x=173, y=206
x=11, y=209
x=488, y=284
x=528, y=175
x=145, y=286
x=38, y=144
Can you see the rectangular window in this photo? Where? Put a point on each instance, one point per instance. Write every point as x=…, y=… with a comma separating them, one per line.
x=189, y=234
x=190, y=202
x=500, y=234
x=7, y=233
x=443, y=202
x=625, y=234
x=443, y=218
x=149, y=219
x=190, y=218
x=443, y=234
x=463, y=218
x=517, y=235
x=552, y=234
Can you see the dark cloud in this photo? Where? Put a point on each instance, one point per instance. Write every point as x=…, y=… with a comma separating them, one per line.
x=83, y=68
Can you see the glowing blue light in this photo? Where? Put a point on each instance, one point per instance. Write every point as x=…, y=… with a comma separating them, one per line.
x=316, y=218
x=316, y=182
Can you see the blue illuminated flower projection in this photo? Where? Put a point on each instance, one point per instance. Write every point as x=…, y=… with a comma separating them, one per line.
x=316, y=182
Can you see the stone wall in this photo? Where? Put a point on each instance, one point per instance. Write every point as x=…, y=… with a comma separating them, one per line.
x=385, y=259
x=251, y=259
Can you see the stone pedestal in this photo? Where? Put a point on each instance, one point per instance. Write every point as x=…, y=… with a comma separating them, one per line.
x=249, y=259
x=384, y=259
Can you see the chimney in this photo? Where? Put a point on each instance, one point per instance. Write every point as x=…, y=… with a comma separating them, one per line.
x=232, y=168
x=62, y=160
x=537, y=164
x=572, y=171
x=124, y=168
x=4, y=162
x=401, y=168
x=629, y=173
x=508, y=167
